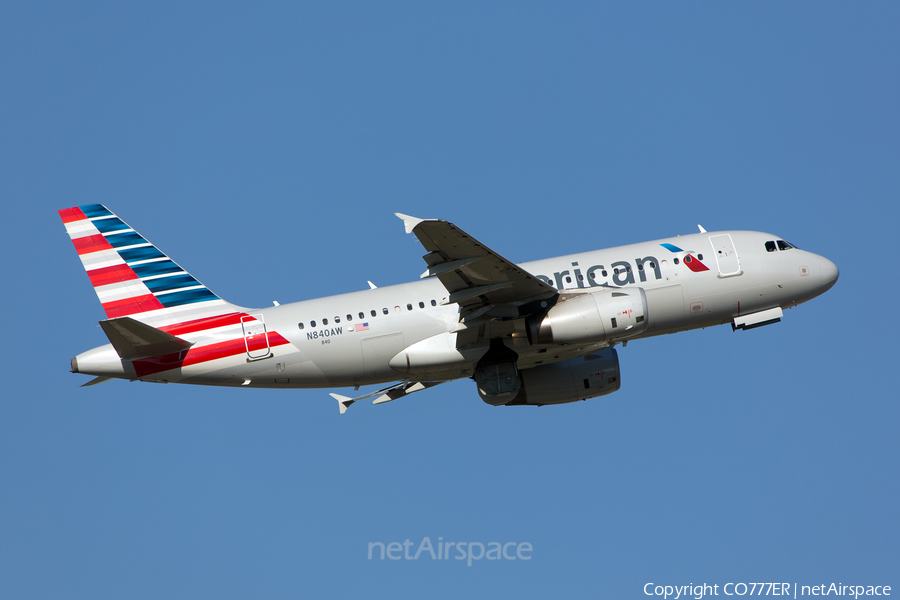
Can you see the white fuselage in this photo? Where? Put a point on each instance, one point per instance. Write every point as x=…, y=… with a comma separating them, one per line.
x=350, y=339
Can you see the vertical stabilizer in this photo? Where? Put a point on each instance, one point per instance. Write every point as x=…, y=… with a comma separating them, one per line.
x=131, y=277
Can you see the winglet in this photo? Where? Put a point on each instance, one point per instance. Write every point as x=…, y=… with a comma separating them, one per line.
x=409, y=222
x=701, y=228
x=344, y=402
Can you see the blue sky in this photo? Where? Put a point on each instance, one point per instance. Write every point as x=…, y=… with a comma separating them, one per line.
x=266, y=146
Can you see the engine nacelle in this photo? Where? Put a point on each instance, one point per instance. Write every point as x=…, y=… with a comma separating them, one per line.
x=571, y=380
x=596, y=317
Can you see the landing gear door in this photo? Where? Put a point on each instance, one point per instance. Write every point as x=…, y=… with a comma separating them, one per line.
x=727, y=258
x=256, y=338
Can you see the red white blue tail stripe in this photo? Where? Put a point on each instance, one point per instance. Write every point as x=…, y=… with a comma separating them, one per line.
x=131, y=276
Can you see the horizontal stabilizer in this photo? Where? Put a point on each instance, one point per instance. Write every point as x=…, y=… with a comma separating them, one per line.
x=133, y=339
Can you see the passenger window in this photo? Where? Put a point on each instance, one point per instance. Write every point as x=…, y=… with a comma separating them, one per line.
x=312, y=323
x=396, y=309
x=568, y=279
x=324, y=321
x=641, y=267
x=363, y=315
x=421, y=305
x=300, y=325
x=675, y=261
x=699, y=257
x=384, y=310
x=373, y=313
x=409, y=307
x=337, y=319
x=688, y=259
x=434, y=302
x=605, y=273
x=770, y=246
x=349, y=317
x=783, y=245
x=581, y=278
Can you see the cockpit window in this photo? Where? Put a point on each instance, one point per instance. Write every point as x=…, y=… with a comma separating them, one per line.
x=770, y=246
x=783, y=245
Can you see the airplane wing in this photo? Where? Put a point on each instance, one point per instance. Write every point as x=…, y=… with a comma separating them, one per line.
x=482, y=282
x=399, y=390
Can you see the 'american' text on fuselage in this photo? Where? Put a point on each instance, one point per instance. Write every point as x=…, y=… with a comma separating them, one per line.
x=622, y=274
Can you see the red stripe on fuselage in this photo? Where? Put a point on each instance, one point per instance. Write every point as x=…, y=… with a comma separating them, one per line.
x=130, y=306
x=72, y=214
x=91, y=243
x=204, y=323
x=195, y=356
x=113, y=274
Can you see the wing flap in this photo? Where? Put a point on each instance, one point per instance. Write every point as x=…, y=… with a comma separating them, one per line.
x=399, y=390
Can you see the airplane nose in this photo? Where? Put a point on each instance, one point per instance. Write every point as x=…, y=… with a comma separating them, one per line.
x=829, y=271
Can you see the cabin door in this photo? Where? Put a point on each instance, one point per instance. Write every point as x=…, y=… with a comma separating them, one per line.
x=726, y=256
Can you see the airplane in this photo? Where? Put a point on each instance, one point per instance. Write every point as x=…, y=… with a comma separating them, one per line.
x=536, y=333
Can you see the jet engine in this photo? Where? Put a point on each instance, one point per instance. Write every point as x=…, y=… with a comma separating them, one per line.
x=571, y=380
x=608, y=315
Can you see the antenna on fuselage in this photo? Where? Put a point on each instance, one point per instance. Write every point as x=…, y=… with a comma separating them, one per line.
x=701, y=228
